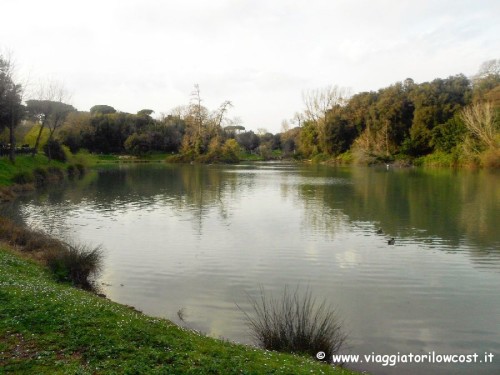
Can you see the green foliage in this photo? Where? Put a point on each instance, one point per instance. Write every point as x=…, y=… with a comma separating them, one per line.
x=405, y=119
x=249, y=141
x=71, y=132
x=138, y=144
x=102, y=109
x=265, y=152
x=72, y=171
x=30, y=137
x=145, y=112
x=23, y=177
x=77, y=264
x=346, y=157
x=11, y=108
x=40, y=174
x=319, y=158
x=308, y=140
x=490, y=158
x=230, y=151
x=54, y=150
x=446, y=137
x=339, y=134
x=438, y=159
x=80, y=168
x=55, y=173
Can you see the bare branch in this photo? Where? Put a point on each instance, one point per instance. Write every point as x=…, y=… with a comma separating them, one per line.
x=481, y=120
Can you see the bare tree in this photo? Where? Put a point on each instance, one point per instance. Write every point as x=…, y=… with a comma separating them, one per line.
x=319, y=103
x=181, y=112
x=297, y=119
x=285, y=126
x=220, y=113
x=487, y=68
x=197, y=109
x=482, y=122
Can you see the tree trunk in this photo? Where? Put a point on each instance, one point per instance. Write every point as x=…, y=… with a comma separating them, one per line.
x=12, y=152
x=37, y=142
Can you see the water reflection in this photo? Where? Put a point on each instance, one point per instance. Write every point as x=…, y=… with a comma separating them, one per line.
x=201, y=237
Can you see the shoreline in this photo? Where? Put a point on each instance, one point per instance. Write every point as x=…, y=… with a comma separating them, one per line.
x=49, y=327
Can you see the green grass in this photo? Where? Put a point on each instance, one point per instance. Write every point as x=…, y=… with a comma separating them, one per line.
x=438, y=159
x=94, y=159
x=51, y=328
x=248, y=156
x=23, y=163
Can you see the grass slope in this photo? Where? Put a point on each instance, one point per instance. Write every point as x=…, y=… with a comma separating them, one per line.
x=23, y=163
x=51, y=328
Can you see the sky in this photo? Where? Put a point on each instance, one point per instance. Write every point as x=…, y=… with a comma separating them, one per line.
x=261, y=55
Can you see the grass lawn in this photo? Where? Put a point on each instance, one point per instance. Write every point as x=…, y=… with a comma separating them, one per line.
x=23, y=163
x=52, y=328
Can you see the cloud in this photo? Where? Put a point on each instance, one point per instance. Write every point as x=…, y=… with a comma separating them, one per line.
x=257, y=53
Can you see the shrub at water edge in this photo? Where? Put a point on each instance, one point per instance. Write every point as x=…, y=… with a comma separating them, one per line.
x=295, y=323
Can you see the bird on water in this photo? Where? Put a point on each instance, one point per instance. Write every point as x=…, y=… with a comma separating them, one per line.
x=392, y=241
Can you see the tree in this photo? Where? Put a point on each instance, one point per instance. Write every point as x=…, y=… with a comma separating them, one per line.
x=481, y=121
x=11, y=108
x=219, y=115
x=446, y=137
x=232, y=130
x=318, y=104
x=145, y=112
x=71, y=133
x=289, y=140
x=204, y=132
x=339, y=133
x=49, y=110
x=102, y=109
x=248, y=140
x=486, y=79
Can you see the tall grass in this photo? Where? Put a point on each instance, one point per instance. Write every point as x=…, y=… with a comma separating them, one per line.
x=295, y=323
x=78, y=264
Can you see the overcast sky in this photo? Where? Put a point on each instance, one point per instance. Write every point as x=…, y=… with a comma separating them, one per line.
x=259, y=54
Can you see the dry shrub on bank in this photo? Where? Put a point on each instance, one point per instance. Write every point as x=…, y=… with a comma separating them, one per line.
x=295, y=323
x=77, y=264
x=491, y=158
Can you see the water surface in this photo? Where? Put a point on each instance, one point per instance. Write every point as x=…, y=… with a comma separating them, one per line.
x=203, y=238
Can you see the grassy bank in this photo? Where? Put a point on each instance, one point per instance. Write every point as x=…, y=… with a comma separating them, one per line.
x=23, y=164
x=52, y=328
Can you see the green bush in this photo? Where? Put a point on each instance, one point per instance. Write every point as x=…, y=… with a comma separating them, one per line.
x=77, y=264
x=40, y=175
x=54, y=150
x=72, y=171
x=23, y=177
x=81, y=168
x=55, y=173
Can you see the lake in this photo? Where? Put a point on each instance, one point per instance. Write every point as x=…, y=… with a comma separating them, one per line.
x=202, y=238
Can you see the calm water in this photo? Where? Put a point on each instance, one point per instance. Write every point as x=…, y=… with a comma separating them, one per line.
x=202, y=238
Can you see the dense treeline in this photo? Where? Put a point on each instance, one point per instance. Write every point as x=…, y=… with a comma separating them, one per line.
x=453, y=120
x=455, y=116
